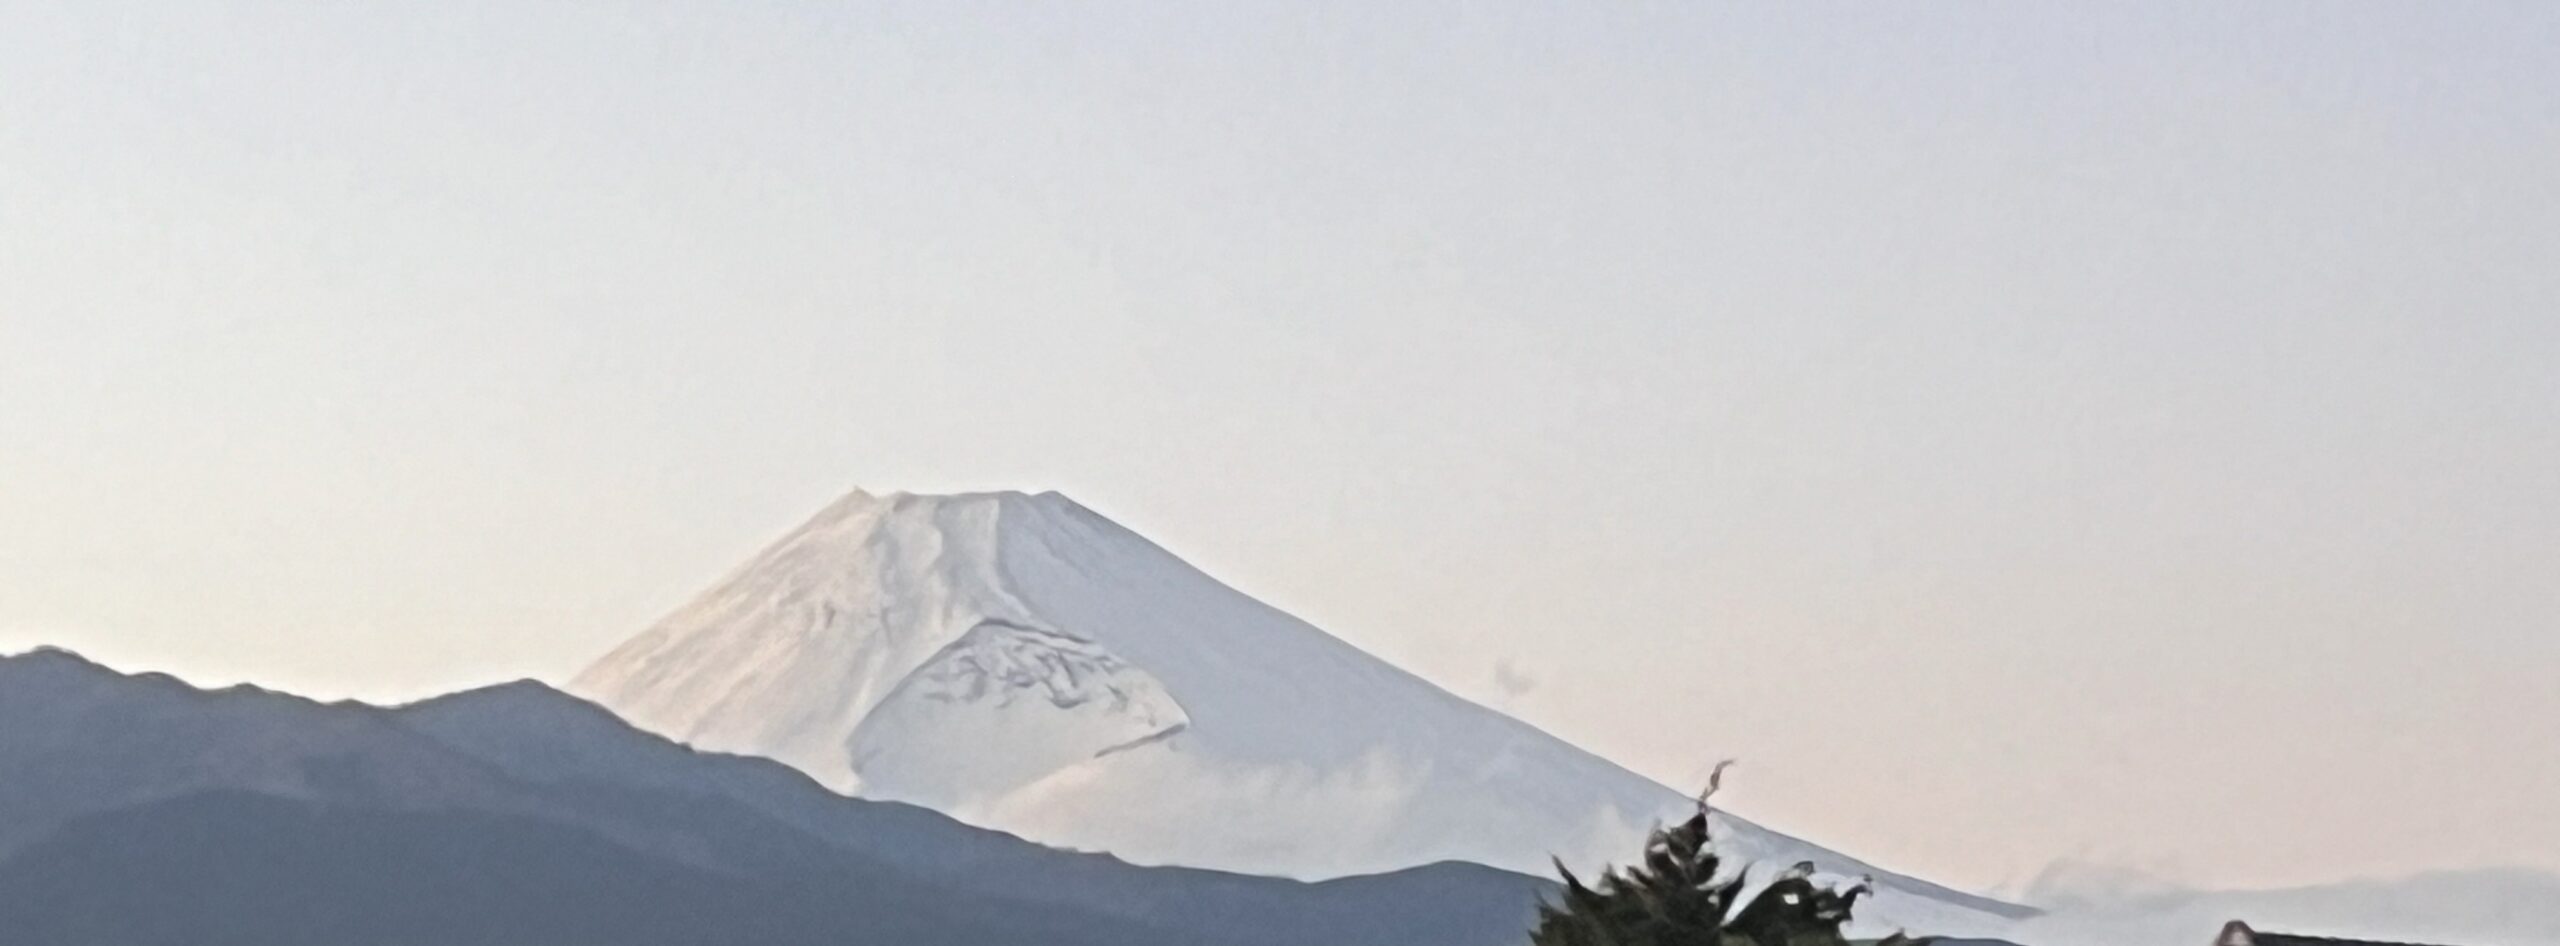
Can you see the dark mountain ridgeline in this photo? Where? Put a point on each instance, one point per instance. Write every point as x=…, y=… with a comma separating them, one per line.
x=140, y=810
x=258, y=870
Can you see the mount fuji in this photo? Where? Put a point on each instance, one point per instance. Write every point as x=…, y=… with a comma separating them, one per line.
x=1022, y=663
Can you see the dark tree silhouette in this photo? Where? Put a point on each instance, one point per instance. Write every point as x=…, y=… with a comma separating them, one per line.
x=1677, y=897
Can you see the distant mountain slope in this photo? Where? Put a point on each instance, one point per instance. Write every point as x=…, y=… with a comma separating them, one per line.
x=538, y=733
x=2487, y=907
x=1025, y=664
x=170, y=814
x=259, y=870
x=77, y=738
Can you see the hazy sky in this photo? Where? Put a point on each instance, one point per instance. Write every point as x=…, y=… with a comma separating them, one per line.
x=2016, y=431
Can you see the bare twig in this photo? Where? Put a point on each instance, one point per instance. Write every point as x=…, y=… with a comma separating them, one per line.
x=1715, y=780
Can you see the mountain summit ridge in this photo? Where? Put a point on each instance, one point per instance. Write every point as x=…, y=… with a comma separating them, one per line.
x=1024, y=663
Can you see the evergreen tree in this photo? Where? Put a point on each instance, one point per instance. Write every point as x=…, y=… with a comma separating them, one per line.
x=1674, y=898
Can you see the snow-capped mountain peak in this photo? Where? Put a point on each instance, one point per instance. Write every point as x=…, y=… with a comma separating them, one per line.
x=1023, y=663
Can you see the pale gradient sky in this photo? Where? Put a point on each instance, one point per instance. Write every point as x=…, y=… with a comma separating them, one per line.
x=2016, y=431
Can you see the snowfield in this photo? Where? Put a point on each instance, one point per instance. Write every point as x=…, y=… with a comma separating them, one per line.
x=1025, y=664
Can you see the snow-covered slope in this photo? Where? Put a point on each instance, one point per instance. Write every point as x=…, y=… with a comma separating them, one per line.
x=1025, y=664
